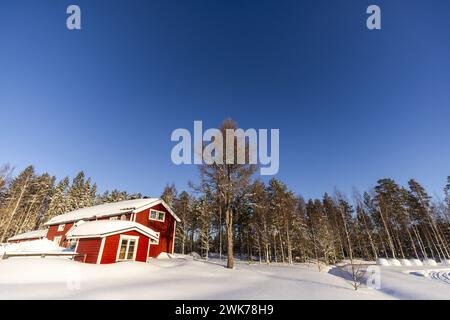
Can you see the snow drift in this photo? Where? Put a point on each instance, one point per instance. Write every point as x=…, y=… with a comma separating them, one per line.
x=43, y=245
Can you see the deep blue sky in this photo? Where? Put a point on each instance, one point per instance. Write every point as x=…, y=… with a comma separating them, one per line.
x=352, y=105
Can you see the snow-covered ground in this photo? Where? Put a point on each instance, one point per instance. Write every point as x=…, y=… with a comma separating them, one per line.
x=416, y=282
x=183, y=277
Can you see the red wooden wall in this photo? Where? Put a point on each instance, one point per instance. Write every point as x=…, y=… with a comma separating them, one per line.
x=53, y=232
x=166, y=229
x=90, y=248
x=112, y=245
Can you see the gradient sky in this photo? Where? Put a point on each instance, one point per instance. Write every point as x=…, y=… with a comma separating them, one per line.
x=352, y=105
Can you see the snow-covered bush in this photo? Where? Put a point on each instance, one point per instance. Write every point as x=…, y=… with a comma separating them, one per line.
x=446, y=262
x=405, y=262
x=165, y=255
x=382, y=262
x=416, y=262
x=195, y=255
x=429, y=262
x=394, y=262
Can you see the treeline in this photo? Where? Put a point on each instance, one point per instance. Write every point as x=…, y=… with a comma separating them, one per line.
x=29, y=199
x=229, y=212
x=272, y=224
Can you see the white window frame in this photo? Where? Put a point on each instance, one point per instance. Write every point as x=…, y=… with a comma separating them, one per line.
x=124, y=237
x=157, y=214
x=61, y=227
x=156, y=241
x=57, y=240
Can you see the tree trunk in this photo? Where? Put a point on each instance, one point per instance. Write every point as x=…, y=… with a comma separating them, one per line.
x=281, y=247
x=220, y=232
x=390, y=242
x=229, y=221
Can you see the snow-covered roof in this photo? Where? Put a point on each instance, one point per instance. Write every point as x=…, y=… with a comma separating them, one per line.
x=110, y=209
x=35, y=234
x=102, y=228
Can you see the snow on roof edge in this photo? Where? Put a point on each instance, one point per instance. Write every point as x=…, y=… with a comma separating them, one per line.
x=41, y=233
x=102, y=228
x=108, y=209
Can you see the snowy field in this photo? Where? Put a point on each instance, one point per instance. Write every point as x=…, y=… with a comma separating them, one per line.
x=183, y=277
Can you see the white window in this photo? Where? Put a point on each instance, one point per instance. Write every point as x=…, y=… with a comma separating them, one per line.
x=114, y=218
x=157, y=215
x=61, y=227
x=123, y=217
x=127, y=248
x=57, y=240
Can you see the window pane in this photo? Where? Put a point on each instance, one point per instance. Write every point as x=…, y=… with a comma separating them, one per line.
x=131, y=249
x=123, y=249
x=153, y=214
x=161, y=216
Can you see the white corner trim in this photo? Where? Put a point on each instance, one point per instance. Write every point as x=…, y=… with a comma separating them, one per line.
x=100, y=252
x=148, y=249
x=173, y=237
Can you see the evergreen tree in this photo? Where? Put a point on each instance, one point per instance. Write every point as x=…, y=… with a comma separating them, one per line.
x=59, y=201
x=81, y=193
x=183, y=207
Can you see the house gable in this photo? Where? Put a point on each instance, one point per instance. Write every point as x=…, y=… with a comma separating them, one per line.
x=166, y=229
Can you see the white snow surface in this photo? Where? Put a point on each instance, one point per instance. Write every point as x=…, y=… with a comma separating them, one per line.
x=106, y=209
x=43, y=245
x=102, y=227
x=182, y=277
x=35, y=234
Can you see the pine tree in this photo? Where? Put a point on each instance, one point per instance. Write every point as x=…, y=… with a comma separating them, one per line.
x=259, y=206
x=59, y=201
x=420, y=204
x=16, y=199
x=115, y=196
x=183, y=207
x=81, y=193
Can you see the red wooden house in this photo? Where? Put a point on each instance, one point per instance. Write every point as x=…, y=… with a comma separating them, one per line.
x=151, y=220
